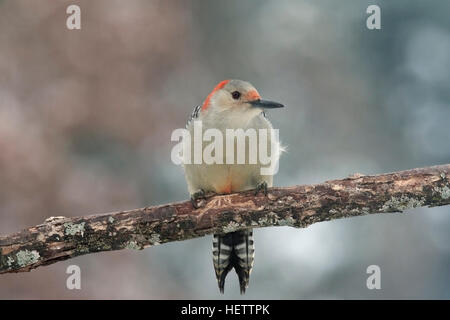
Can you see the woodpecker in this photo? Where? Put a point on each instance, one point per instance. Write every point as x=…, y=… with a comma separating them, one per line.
x=232, y=104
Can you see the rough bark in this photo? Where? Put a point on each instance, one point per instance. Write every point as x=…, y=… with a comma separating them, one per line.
x=61, y=238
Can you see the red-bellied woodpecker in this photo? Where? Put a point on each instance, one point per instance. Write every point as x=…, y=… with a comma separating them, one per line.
x=233, y=104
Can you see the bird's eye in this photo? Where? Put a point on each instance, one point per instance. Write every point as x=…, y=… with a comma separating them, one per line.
x=236, y=95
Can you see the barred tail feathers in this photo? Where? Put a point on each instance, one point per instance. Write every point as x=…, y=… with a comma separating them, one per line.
x=233, y=250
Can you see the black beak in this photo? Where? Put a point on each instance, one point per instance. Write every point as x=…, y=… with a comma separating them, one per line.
x=265, y=104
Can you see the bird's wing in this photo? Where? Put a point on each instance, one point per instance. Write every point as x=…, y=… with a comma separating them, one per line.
x=264, y=115
x=264, y=119
x=194, y=115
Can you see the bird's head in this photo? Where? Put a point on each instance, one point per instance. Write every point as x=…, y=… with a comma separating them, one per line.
x=237, y=97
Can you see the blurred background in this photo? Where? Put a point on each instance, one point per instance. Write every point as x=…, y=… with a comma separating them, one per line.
x=86, y=117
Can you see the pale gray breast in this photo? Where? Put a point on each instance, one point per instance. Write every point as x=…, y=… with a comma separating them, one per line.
x=223, y=178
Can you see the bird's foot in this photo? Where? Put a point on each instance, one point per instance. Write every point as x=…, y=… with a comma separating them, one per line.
x=199, y=195
x=261, y=187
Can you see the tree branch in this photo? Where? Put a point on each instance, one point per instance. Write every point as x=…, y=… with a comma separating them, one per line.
x=61, y=238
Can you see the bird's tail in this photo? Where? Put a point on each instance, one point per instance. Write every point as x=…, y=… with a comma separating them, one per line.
x=233, y=250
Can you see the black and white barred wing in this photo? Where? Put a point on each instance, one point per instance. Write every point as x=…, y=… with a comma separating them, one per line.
x=194, y=115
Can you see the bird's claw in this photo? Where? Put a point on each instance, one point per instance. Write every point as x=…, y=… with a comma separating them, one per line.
x=199, y=195
x=261, y=187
